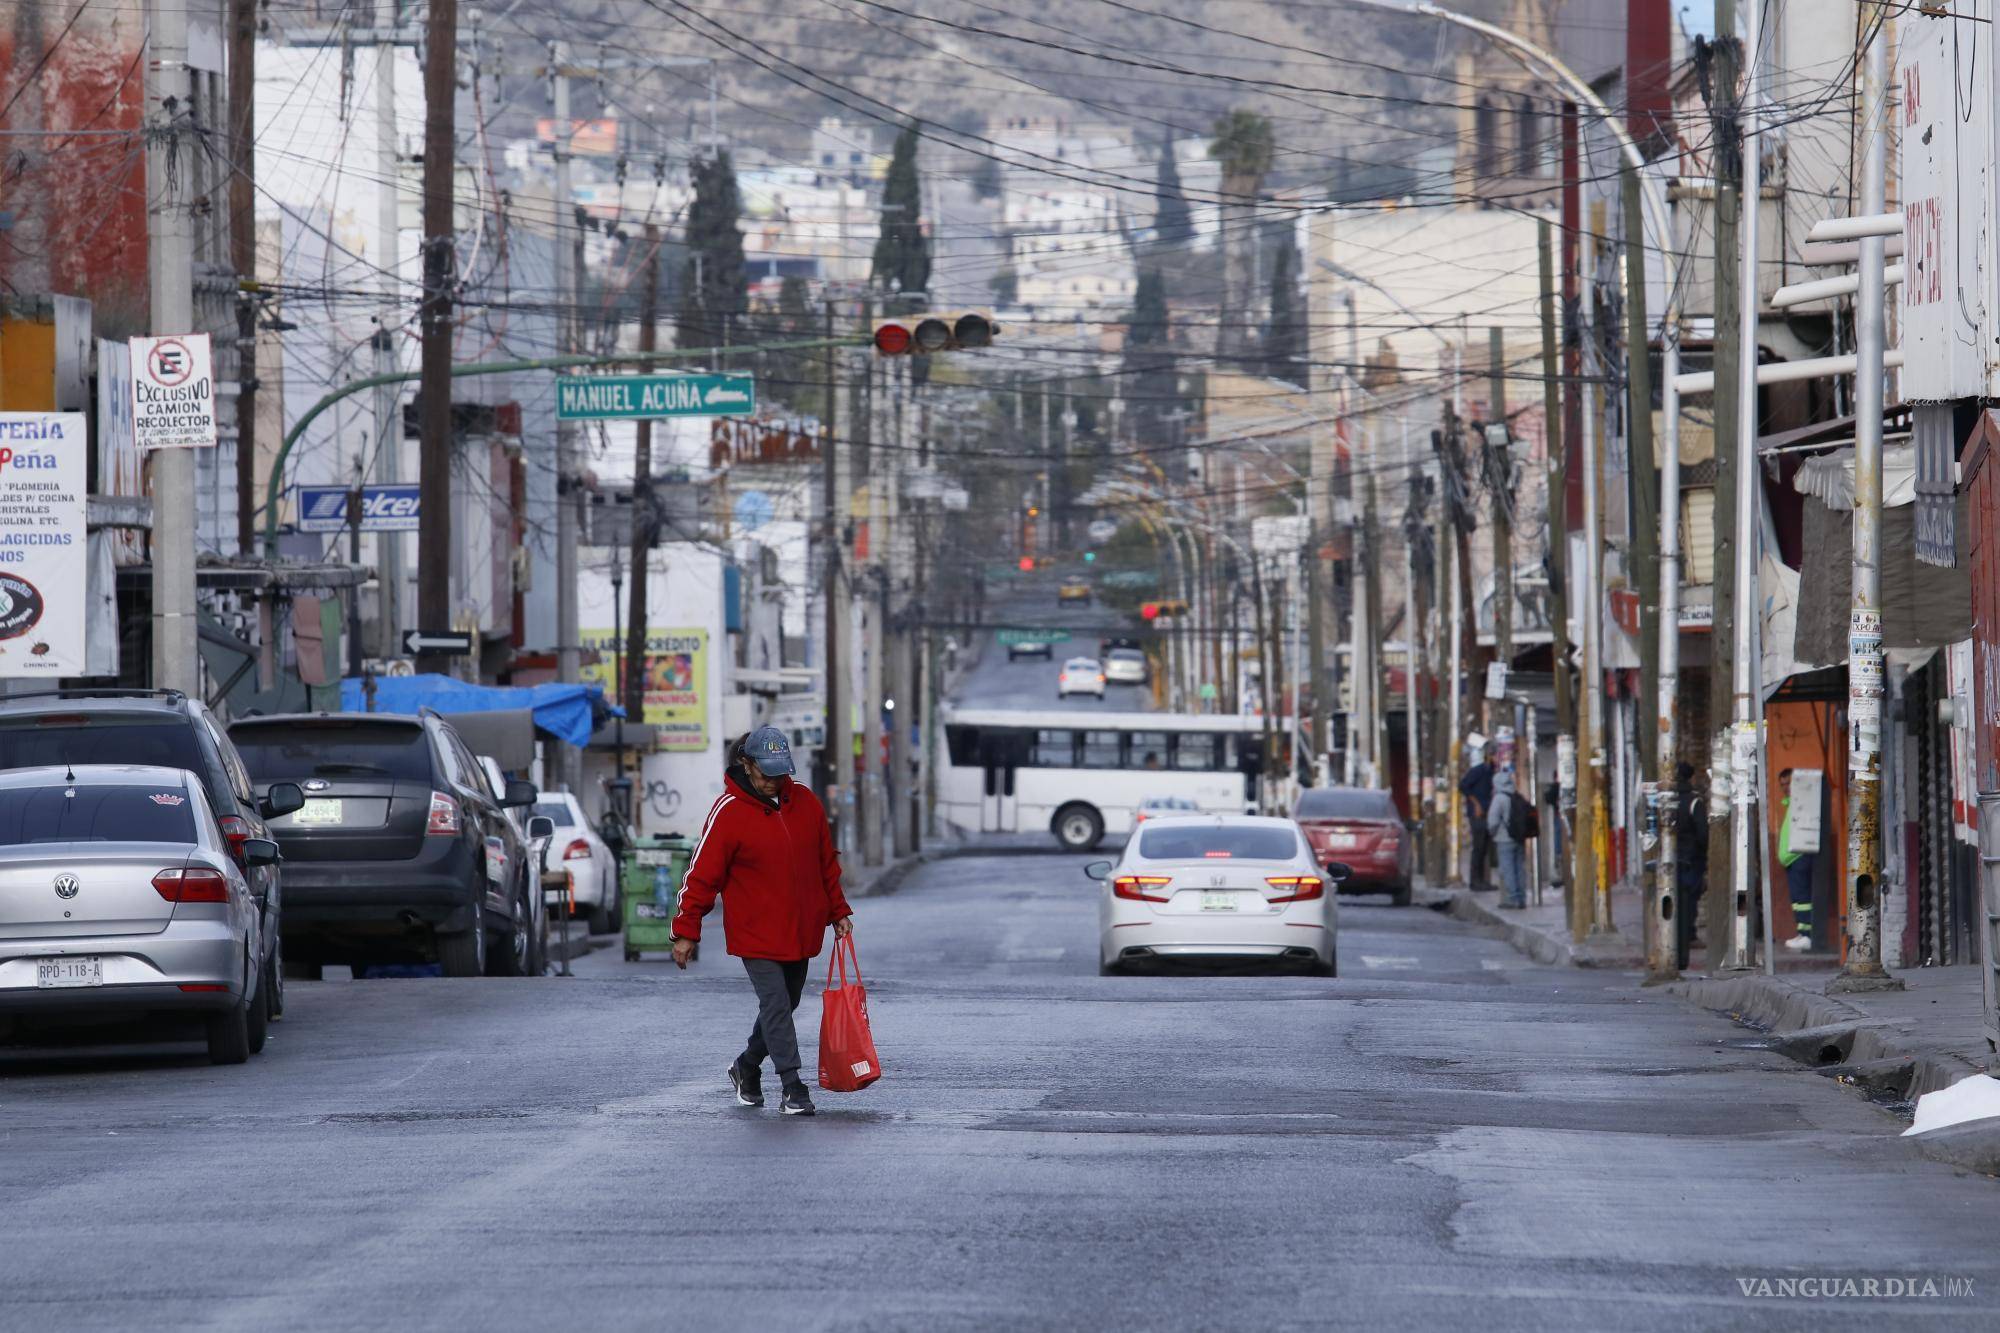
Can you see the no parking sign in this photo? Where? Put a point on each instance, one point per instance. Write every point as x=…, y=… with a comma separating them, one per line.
x=173, y=392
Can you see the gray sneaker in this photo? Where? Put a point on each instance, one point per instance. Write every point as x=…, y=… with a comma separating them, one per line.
x=797, y=1101
x=749, y=1085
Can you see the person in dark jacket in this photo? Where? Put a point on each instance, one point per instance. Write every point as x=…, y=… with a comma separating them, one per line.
x=1477, y=789
x=765, y=849
x=1690, y=858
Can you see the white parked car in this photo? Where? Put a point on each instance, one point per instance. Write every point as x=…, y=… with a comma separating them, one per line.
x=1125, y=666
x=1217, y=888
x=1080, y=675
x=577, y=849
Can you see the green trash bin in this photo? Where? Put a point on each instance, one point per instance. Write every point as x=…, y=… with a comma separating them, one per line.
x=649, y=883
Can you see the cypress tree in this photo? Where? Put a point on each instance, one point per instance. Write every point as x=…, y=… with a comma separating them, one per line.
x=1285, y=339
x=1174, y=223
x=713, y=292
x=902, y=251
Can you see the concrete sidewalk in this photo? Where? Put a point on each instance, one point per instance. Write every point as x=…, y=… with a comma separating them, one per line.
x=1898, y=1044
x=1541, y=931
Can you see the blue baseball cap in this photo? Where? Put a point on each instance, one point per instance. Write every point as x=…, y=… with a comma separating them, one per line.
x=768, y=748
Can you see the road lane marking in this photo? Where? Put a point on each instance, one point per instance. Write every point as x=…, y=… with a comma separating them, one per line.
x=1388, y=964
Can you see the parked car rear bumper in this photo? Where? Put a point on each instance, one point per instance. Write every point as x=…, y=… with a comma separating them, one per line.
x=432, y=893
x=140, y=971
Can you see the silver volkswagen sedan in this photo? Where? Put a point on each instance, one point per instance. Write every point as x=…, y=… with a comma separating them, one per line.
x=120, y=903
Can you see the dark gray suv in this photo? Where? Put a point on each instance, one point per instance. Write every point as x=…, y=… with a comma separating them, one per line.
x=402, y=851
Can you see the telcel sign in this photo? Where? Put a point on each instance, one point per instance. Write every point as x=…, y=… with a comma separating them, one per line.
x=383, y=508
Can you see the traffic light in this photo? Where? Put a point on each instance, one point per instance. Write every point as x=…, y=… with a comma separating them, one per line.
x=1154, y=610
x=1149, y=610
x=1027, y=564
x=922, y=335
x=1090, y=557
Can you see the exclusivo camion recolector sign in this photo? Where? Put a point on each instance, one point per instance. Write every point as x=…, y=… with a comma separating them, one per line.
x=173, y=392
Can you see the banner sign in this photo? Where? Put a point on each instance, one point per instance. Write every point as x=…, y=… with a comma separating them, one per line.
x=383, y=508
x=676, y=682
x=173, y=392
x=44, y=566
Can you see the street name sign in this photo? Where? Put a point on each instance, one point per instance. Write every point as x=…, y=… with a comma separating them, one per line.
x=173, y=392
x=1013, y=636
x=647, y=397
x=383, y=508
x=456, y=641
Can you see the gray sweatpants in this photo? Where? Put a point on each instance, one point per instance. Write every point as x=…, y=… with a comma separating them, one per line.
x=778, y=987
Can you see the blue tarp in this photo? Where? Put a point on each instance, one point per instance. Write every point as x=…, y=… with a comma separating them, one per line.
x=563, y=711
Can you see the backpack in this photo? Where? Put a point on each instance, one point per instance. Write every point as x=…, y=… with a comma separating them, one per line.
x=1521, y=822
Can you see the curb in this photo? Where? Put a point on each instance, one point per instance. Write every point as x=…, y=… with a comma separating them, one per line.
x=1829, y=1034
x=1555, y=950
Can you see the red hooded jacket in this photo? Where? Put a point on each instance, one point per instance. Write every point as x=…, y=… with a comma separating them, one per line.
x=773, y=864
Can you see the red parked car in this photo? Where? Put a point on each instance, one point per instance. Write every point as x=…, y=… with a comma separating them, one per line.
x=1361, y=828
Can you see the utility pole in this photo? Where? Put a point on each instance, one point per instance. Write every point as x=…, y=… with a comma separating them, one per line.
x=1642, y=502
x=1416, y=664
x=434, y=390
x=871, y=792
x=388, y=397
x=1319, y=487
x=1863, y=968
x=1729, y=409
x=644, y=524
x=569, y=492
x=1501, y=479
x=1663, y=956
x=1746, y=709
x=171, y=148
x=1557, y=504
x=840, y=605
x=832, y=518
x=1591, y=794
x=243, y=258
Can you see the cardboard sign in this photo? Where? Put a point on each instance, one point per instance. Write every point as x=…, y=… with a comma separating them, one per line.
x=44, y=564
x=173, y=392
x=1807, y=787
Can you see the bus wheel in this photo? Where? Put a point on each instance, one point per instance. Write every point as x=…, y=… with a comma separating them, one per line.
x=1078, y=827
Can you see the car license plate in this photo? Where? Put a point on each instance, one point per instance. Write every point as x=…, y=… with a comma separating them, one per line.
x=61, y=973
x=1218, y=902
x=1344, y=840
x=318, y=811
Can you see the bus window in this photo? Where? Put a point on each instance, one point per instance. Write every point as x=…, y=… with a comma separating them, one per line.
x=1194, y=750
x=963, y=742
x=1147, y=749
x=1054, y=749
x=1100, y=750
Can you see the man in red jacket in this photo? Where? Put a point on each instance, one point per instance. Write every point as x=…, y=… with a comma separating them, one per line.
x=766, y=850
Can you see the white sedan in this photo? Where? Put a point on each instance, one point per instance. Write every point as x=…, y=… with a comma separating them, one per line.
x=1125, y=666
x=1217, y=888
x=1080, y=675
x=577, y=849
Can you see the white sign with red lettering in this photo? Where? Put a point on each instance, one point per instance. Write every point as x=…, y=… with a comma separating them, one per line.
x=44, y=459
x=1944, y=121
x=173, y=392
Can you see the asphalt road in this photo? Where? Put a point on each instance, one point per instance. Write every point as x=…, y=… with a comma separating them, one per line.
x=1445, y=1136
x=997, y=682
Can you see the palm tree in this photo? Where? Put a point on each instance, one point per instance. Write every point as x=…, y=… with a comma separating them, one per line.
x=1241, y=141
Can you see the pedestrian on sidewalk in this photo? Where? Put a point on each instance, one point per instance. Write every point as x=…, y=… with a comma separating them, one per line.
x=1510, y=821
x=1690, y=858
x=1477, y=789
x=766, y=847
x=1798, y=871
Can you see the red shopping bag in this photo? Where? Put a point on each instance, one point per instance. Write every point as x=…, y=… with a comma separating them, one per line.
x=847, y=1060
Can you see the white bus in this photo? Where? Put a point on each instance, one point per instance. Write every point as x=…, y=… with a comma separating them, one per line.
x=1082, y=775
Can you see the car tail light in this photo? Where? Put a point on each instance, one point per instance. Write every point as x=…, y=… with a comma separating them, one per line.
x=1135, y=886
x=237, y=829
x=1295, y=888
x=444, y=814
x=192, y=884
x=1100, y=678
x=578, y=850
